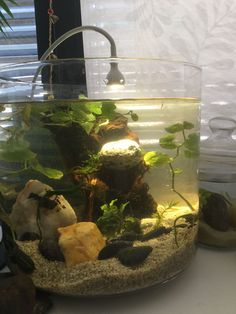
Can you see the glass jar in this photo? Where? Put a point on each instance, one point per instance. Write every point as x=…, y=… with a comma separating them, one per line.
x=100, y=179
x=217, y=176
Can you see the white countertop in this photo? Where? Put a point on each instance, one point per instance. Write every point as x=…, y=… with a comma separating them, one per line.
x=208, y=286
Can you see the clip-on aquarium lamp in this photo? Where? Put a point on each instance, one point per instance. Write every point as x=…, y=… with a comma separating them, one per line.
x=114, y=77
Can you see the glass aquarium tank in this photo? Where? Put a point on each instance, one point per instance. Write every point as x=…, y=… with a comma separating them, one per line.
x=98, y=171
x=217, y=176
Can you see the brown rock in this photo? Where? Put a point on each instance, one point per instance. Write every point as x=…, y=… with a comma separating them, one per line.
x=117, y=129
x=80, y=242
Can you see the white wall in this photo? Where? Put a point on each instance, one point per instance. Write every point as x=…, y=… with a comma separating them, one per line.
x=199, y=31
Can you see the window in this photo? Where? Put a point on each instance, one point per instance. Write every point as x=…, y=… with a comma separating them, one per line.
x=20, y=44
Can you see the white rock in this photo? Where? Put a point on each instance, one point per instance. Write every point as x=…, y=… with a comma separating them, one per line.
x=122, y=154
x=24, y=212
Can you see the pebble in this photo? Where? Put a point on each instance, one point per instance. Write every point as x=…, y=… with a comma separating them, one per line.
x=113, y=248
x=50, y=249
x=133, y=256
x=216, y=212
x=121, y=154
x=155, y=233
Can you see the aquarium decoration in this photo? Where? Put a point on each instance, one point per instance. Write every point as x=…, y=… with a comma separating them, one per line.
x=91, y=192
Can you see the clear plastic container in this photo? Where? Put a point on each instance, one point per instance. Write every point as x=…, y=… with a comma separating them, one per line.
x=100, y=180
x=218, y=185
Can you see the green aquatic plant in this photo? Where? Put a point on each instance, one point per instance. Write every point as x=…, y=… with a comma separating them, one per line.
x=190, y=221
x=90, y=166
x=189, y=145
x=133, y=115
x=89, y=115
x=16, y=151
x=113, y=222
x=159, y=215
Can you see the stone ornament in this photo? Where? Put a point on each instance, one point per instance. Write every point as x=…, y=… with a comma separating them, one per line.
x=80, y=243
x=25, y=210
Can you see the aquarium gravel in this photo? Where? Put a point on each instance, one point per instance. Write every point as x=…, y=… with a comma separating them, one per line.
x=108, y=277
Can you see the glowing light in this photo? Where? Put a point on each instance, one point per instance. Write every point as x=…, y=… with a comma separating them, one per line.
x=114, y=87
x=145, y=124
x=139, y=107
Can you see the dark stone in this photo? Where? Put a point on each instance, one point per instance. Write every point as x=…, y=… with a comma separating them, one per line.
x=141, y=201
x=69, y=139
x=2, y=255
x=2, y=249
x=15, y=256
x=133, y=256
x=156, y=233
x=29, y=236
x=43, y=303
x=23, y=261
x=128, y=236
x=17, y=295
x=112, y=249
x=50, y=250
x=216, y=212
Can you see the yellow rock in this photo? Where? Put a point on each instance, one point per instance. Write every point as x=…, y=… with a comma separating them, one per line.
x=80, y=242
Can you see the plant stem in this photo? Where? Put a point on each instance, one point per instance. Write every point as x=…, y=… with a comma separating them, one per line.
x=38, y=222
x=173, y=187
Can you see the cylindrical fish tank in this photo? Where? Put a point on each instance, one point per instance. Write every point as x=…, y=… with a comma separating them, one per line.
x=98, y=171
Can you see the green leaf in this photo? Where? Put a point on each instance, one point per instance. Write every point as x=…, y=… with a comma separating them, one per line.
x=154, y=159
x=192, y=142
x=167, y=142
x=48, y=172
x=203, y=197
x=134, y=116
x=188, y=125
x=16, y=150
x=192, y=146
x=87, y=126
x=61, y=117
x=111, y=222
x=108, y=110
x=16, y=155
x=122, y=206
x=82, y=116
x=91, y=165
x=174, y=128
x=5, y=7
x=3, y=21
x=178, y=170
x=26, y=112
x=191, y=154
x=94, y=107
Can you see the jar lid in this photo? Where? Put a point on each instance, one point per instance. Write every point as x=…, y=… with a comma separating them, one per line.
x=218, y=152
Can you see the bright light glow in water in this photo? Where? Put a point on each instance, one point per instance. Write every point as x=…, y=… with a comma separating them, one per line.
x=145, y=124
